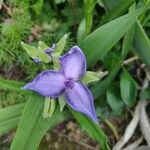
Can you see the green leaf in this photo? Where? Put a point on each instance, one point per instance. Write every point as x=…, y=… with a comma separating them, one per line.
x=142, y=44
x=33, y=126
x=118, y=10
x=60, y=45
x=37, y=6
x=145, y=94
x=37, y=53
x=91, y=77
x=127, y=41
x=128, y=38
x=111, y=3
x=1, y=2
x=9, y=117
x=92, y=129
x=128, y=89
x=98, y=43
x=9, y=124
x=114, y=99
x=31, y=50
x=89, y=6
x=81, y=31
x=10, y=85
x=100, y=87
x=42, y=46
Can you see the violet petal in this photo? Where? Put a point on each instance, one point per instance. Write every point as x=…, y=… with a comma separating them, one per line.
x=37, y=60
x=48, y=83
x=49, y=51
x=73, y=63
x=81, y=100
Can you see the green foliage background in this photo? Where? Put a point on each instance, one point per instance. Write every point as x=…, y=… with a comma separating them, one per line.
x=108, y=32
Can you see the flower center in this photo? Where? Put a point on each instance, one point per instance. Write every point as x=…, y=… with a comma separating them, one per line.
x=69, y=83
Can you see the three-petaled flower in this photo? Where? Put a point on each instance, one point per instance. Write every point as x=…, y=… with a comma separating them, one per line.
x=66, y=81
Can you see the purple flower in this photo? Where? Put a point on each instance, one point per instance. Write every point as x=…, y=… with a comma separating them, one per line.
x=50, y=49
x=51, y=83
x=37, y=60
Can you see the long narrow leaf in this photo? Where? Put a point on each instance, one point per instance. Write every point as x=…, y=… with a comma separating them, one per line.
x=33, y=126
x=118, y=10
x=92, y=129
x=9, y=124
x=142, y=44
x=100, y=87
x=98, y=43
x=11, y=111
x=10, y=85
x=9, y=117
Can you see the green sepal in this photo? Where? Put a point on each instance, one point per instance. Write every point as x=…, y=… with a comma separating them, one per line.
x=57, y=51
x=93, y=76
x=90, y=77
x=31, y=50
x=62, y=102
x=60, y=45
x=42, y=46
x=56, y=63
x=37, y=53
x=44, y=57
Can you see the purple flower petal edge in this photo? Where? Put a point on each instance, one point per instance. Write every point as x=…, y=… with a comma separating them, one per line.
x=73, y=63
x=48, y=83
x=52, y=83
x=81, y=100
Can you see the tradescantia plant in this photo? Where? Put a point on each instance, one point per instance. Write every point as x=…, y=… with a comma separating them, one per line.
x=64, y=89
x=66, y=82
